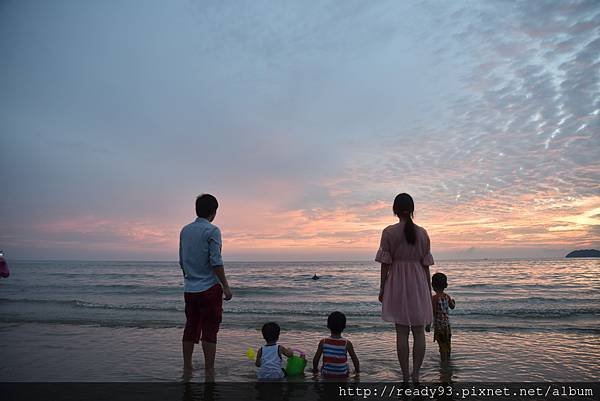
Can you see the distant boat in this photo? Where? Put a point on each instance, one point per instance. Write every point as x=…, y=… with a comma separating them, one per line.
x=584, y=253
x=315, y=277
x=4, y=272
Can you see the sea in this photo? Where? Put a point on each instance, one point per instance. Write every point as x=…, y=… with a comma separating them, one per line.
x=515, y=319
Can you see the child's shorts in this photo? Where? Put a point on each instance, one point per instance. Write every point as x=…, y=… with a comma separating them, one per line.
x=203, y=312
x=443, y=337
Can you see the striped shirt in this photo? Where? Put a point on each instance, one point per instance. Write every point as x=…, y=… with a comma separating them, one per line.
x=335, y=357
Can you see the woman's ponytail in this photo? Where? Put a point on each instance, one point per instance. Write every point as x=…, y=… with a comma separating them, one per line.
x=404, y=207
x=410, y=231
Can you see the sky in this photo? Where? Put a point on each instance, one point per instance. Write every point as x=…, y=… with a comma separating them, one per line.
x=304, y=119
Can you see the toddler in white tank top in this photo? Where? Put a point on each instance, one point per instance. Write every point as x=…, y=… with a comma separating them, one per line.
x=269, y=357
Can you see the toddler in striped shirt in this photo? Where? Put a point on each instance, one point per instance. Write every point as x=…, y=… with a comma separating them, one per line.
x=335, y=350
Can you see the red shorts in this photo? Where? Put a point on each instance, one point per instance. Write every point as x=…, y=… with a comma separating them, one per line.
x=203, y=312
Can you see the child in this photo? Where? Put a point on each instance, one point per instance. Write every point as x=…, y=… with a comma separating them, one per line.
x=334, y=350
x=268, y=358
x=441, y=323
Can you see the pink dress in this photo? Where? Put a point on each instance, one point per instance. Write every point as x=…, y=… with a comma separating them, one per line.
x=406, y=293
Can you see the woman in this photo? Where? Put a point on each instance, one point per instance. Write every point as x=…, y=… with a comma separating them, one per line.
x=405, y=290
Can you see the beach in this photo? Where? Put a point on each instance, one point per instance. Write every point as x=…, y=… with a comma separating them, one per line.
x=515, y=320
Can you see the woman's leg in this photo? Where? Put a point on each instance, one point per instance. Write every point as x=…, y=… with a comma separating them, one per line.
x=402, y=349
x=418, y=350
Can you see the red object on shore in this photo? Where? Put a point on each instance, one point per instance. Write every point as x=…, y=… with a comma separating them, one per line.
x=4, y=272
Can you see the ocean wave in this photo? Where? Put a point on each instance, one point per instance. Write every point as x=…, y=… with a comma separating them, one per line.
x=124, y=289
x=287, y=325
x=506, y=313
x=92, y=305
x=530, y=313
x=516, y=286
x=140, y=324
x=316, y=309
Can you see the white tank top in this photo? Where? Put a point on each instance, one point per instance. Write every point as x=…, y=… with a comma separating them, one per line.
x=271, y=363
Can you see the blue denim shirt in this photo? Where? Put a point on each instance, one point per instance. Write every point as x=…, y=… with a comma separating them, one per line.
x=199, y=254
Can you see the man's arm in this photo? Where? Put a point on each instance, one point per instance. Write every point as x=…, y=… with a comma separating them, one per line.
x=220, y=272
x=181, y=257
x=216, y=261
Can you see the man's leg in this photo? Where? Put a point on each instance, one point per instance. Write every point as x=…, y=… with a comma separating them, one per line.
x=188, y=351
x=209, y=349
x=210, y=327
x=191, y=333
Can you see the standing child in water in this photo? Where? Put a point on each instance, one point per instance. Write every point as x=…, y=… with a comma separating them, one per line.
x=441, y=303
x=268, y=358
x=335, y=349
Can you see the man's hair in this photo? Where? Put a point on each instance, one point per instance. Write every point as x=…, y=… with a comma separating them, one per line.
x=439, y=281
x=336, y=322
x=206, y=205
x=270, y=332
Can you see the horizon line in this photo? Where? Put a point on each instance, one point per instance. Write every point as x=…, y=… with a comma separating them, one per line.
x=294, y=261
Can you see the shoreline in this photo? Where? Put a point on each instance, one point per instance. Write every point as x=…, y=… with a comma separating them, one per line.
x=39, y=352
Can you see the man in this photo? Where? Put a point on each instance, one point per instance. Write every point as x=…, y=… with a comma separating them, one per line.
x=205, y=283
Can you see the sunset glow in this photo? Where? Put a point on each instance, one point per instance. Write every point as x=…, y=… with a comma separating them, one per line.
x=304, y=122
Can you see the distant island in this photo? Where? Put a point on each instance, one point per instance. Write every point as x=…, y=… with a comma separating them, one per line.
x=584, y=253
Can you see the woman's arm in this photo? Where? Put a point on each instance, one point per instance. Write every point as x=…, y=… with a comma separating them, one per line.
x=428, y=277
x=427, y=259
x=385, y=269
x=385, y=258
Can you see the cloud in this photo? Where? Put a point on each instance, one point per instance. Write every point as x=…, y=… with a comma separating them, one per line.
x=304, y=121
x=516, y=142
